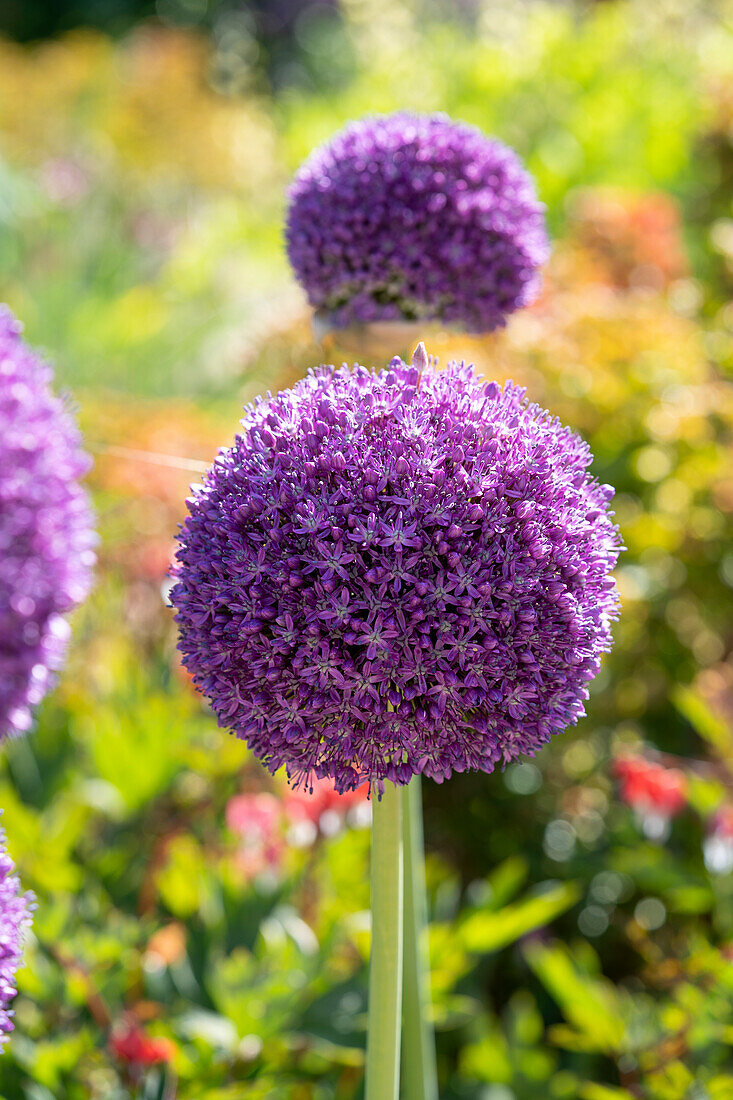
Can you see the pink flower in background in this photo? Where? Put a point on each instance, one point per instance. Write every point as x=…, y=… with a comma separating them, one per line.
x=64, y=181
x=253, y=812
x=257, y=820
x=265, y=822
x=654, y=792
x=718, y=844
x=321, y=799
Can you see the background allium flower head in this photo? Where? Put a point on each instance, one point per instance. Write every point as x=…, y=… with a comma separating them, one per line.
x=396, y=572
x=46, y=534
x=418, y=217
x=14, y=919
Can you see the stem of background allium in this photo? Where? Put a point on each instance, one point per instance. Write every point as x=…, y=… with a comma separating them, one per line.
x=418, y=1044
x=385, y=968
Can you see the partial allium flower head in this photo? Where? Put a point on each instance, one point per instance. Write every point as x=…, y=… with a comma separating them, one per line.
x=15, y=917
x=409, y=216
x=396, y=572
x=46, y=534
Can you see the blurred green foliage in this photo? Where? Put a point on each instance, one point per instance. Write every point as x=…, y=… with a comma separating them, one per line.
x=140, y=240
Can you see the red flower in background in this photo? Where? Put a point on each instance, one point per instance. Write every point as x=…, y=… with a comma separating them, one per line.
x=310, y=804
x=636, y=238
x=655, y=792
x=132, y=1044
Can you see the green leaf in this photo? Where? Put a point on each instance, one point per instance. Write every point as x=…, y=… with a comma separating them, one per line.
x=135, y=744
x=689, y=899
x=483, y=931
x=489, y=1058
x=182, y=880
x=590, y=1091
x=505, y=880
x=589, y=1004
x=703, y=719
x=721, y=1088
x=565, y=1037
x=524, y=1021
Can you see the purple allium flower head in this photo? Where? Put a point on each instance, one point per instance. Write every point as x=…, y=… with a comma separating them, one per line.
x=46, y=534
x=409, y=216
x=15, y=917
x=396, y=572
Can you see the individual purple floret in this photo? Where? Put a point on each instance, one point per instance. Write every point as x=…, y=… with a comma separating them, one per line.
x=414, y=217
x=46, y=534
x=15, y=917
x=396, y=573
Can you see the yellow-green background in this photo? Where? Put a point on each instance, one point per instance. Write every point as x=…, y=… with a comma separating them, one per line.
x=143, y=167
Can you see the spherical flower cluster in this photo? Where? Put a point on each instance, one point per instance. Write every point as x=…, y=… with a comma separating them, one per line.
x=14, y=919
x=409, y=216
x=396, y=573
x=46, y=533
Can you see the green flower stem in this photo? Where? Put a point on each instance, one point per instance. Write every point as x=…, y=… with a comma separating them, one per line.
x=385, y=969
x=418, y=1044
